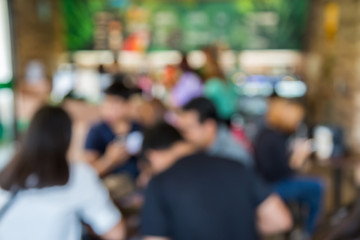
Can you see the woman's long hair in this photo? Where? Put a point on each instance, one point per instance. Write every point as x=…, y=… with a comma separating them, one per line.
x=212, y=68
x=41, y=160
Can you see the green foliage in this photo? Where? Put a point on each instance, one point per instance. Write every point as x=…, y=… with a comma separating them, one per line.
x=288, y=33
x=79, y=22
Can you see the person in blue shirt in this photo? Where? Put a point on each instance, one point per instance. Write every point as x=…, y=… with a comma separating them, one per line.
x=107, y=146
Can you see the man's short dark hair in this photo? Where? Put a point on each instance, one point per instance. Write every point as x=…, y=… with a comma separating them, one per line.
x=119, y=89
x=203, y=107
x=161, y=136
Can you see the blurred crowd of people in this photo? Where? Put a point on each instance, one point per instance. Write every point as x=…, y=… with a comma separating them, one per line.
x=176, y=167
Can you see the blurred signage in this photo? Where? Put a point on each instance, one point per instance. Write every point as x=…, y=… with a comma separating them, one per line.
x=189, y=25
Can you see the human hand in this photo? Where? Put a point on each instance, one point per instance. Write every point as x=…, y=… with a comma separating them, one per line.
x=301, y=152
x=116, y=153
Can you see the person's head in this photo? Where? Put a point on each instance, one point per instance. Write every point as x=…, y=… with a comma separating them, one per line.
x=151, y=112
x=116, y=104
x=161, y=146
x=170, y=76
x=285, y=114
x=184, y=64
x=210, y=52
x=198, y=121
x=41, y=160
x=75, y=106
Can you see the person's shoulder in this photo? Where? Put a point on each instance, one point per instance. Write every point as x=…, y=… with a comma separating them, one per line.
x=136, y=127
x=264, y=129
x=182, y=165
x=81, y=172
x=224, y=168
x=4, y=197
x=204, y=161
x=156, y=183
x=227, y=167
x=99, y=126
x=100, y=130
x=82, y=167
x=192, y=76
x=213, y=82
x=198, y=164
x=266, y=133
x=226, y=162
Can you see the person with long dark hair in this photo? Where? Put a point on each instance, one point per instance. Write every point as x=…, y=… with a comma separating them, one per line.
x=43, y=197
x=217, y=87
x=188, y=86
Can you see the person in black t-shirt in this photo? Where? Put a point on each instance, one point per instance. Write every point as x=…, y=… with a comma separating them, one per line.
x=277, y=162
x=196, y=196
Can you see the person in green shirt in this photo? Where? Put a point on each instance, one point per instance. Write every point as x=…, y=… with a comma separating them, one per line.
x=217, y=87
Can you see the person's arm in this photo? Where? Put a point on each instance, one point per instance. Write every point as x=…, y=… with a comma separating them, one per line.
x=117, y=233
x=115, y=155
x=96, y=208
x=93, y=158
x=155, y=238
x=301, y=152
x=273, y=216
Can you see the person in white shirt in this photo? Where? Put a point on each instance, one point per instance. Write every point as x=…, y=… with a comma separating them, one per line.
x=43, y=197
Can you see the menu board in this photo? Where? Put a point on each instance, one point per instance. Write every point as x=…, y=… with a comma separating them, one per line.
x=185, y=25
